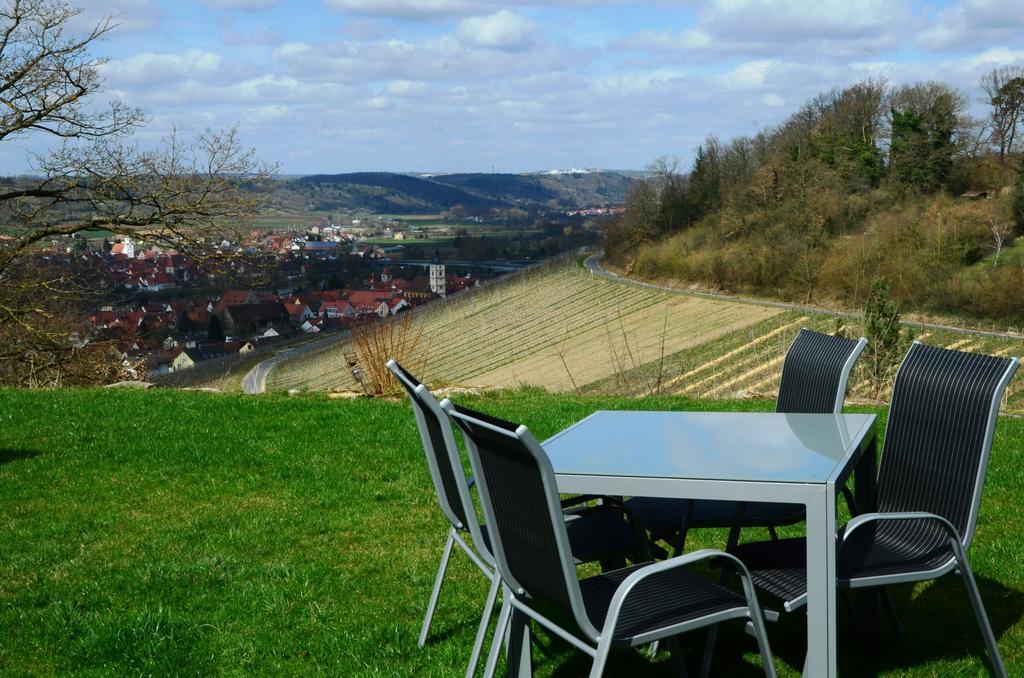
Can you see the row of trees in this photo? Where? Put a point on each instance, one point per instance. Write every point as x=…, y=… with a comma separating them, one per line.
x=799, y=210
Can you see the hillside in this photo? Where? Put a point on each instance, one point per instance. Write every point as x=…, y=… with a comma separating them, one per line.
x=389, y=193
x=181, y=533
x=559, y=327
x=565, y=329
x=865, y=183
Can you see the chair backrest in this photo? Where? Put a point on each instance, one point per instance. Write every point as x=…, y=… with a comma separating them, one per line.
x=939, y=435
x=442, y=453
x=522, y=509
x=815, y=373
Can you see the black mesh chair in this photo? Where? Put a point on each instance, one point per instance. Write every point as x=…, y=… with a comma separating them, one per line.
x=930, y=479
x=629, y=606
x=596, y=533
x=814, y=378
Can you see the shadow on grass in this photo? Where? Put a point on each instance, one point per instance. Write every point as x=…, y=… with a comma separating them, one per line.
x=938, y=625
x=729, y=659
x=8, y=456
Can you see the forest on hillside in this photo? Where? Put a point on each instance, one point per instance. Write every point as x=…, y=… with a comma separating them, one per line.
x=862, y=183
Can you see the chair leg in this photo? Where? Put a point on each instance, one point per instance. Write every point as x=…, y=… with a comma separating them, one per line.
x=519, y=661
x=772, y=533
x=761, y=634
x=683, y=527
x=844, y=599
x=677, y=548
x=438, y=580
x=979, y=611
x=485, y=621
x=709, y=651
x=734, y=531
x=890, y=612
x=500, y=635
x=677, y=656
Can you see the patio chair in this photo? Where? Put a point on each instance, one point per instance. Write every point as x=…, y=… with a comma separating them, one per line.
x=626, y=607
x=814, y=378
x=930, y=479
x=596, y=533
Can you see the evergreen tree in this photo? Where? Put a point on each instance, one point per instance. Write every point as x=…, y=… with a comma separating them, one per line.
x=886, y=339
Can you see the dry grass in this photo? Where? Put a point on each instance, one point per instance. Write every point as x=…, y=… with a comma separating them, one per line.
x=376, y=343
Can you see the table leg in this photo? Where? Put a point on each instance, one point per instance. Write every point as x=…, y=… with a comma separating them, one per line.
x=821, y=582
x=519, y=660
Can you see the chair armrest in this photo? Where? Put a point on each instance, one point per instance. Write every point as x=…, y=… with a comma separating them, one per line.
x=866, y=518
x=627, y=585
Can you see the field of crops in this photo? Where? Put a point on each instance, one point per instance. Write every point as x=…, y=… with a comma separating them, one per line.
x=559, y=327
x=568, y=330
x=748, y=362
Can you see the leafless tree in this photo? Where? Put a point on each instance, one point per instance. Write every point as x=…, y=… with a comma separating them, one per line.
x=1004, y=92
x=1002, y=232
x=93, y=177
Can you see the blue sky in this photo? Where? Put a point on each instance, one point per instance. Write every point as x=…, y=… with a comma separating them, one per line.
x=471, y=85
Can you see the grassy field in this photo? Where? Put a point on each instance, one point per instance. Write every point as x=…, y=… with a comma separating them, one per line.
x=174, y=533
x=559, y=327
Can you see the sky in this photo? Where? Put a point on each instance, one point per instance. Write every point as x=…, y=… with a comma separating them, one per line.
x=327, y=86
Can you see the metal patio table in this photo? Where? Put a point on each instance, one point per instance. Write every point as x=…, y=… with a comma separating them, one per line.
x=792, y=458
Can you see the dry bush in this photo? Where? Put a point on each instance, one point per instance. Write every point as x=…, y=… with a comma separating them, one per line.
x=398, y=338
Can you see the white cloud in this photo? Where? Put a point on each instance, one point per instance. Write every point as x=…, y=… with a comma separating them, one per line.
x=788, y=20
x=407, y=88
x=975, y=23
x=773, y=100
x=149, y=69
x=127, y=15
x=257, y=36
x=827, y=28
x=749, y=75
x=267, y=114
x=503, y=30
x=690, y=39
x=445, y=58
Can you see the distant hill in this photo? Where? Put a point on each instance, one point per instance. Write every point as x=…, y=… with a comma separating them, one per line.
x=391, y=193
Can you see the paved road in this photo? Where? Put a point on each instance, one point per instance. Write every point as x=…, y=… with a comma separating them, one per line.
x=256, y=380
x=593, y=264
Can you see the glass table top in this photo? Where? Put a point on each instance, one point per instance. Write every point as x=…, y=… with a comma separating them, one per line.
x=799, y=448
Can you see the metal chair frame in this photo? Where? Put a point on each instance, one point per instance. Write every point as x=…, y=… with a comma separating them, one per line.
x=424, y=404
x=458, y=508
x=958, y=543
x=595, y=642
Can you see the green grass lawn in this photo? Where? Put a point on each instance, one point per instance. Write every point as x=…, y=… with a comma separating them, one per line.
x=167, y=532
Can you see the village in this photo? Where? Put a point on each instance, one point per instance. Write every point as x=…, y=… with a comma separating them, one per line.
x=164, y=311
